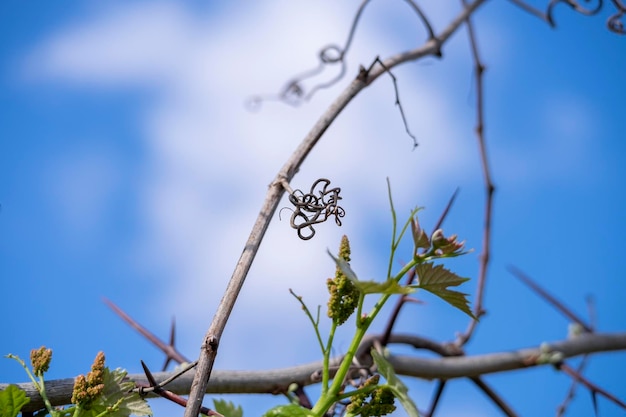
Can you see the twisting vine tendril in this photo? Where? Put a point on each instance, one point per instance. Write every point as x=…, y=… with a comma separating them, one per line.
x=614, y=23
x=294, y=92
x=314, y=207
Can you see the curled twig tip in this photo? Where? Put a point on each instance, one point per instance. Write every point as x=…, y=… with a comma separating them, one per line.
x=315, y=207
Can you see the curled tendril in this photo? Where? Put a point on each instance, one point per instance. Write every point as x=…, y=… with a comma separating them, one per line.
x=294, y=92
x=315, y=207
x=614, y=23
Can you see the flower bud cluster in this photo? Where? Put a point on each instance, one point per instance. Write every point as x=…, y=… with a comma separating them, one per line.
x=40, y=360
x=344, y=296
x=378, y=402
x=87, y=389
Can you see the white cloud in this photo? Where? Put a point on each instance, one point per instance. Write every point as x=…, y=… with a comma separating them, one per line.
x=211, y=160
x=123, y=46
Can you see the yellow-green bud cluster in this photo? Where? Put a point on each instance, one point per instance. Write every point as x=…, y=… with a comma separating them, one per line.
x=344, y=296
x=378, y=402
x=87, y=389
x=40, y=360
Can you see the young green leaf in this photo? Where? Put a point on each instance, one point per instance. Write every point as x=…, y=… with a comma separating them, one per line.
x=420, y=238
x=370, y=287
x=345, y=267
x=289, y=410
x=387, y=287
x=400, y=391
x=12, y=399
x=117, y=400
x=437, y=279
x=227, y=408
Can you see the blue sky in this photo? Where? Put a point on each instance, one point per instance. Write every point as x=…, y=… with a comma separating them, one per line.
x=130, y=169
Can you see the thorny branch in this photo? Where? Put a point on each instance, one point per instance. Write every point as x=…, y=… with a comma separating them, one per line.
x=274, y=381
x=479, y=69
x=550, y=299
x=590, y=385
x=576, y=374
x=171, y=353
x=560, y=410
x=581, y=366
x=157, y=388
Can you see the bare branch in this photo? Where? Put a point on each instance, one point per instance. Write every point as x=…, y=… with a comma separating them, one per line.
x=560, y=410
x=168, y=395
x=441, y=385
x=590, y=385
x=278, y=380
x=170, y=351
x=581, y=366
x=493, y=396
x=479, y=69
x=549, y=298
x=364, y=73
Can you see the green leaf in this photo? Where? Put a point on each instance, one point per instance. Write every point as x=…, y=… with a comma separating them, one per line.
x=117, y=400
x=227, y=408
x=400, y=391
x=387, y=287
x=345, y=267
x=289, y=410
x=437, y=279
x=12, y=399
x=370, y=287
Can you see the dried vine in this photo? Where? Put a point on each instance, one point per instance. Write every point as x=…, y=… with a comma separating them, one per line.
x=315, y=207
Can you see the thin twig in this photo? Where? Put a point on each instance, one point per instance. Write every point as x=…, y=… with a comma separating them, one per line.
x=479, y=69
x=549, y=298
x=581, y=366
x=532, y=10
x=364, y=73
x=423, y=18
x=170, y=351
x=303, y=398
x=571, y=392
x=590, y=385
x=177, y=399
x=493, y=396
x=441, y=385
